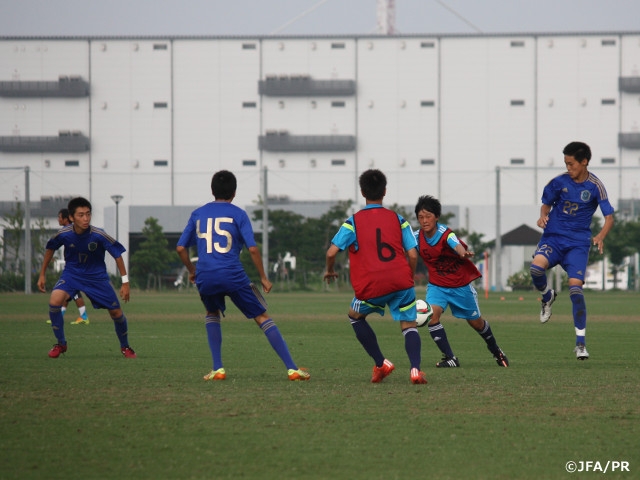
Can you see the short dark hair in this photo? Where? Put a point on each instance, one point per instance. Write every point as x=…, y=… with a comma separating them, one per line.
x=223, y=185
x=430, y=204
x=578, y=150
x=373, y=184
x=64, y=213
x=76, y=203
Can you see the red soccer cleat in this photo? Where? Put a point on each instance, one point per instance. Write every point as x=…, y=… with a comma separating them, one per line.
x=379, y=373
x=57, y=350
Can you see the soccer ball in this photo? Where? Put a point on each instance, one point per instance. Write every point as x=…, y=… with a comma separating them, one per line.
x=425, y=312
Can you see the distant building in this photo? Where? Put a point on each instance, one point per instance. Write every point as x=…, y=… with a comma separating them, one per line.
x=152, y=118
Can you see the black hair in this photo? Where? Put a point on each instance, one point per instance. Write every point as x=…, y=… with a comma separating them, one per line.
x=223, y=185
x=430, y=204
x=373, y=184
x=64, y=213
x=76, y=203
x=578, y=150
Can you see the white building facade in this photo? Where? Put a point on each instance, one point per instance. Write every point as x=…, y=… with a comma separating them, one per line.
x=151, y=119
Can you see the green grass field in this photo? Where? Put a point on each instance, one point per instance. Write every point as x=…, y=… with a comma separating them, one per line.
x=92, y=414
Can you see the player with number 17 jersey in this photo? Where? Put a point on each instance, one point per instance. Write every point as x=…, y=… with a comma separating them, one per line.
x=219, y=230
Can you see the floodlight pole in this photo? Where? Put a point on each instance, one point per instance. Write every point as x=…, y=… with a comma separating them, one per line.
x=265, y=222
x=27, y=233
x=117, y=199
x=498, y=250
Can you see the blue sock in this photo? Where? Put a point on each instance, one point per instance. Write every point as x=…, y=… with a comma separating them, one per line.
x=274, y=336
x=539, y=278
x=488, y=337
x=579, y=313
x=367, y=338
x=214, y=336
x=440, y=337
x=120, y=325
x=412, y=345
x=57, y=323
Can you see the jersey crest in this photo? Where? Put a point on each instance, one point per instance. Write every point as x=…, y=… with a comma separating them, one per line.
x=585, y=195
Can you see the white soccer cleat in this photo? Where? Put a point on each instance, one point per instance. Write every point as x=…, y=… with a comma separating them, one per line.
x=545, y=312
x=581, y=352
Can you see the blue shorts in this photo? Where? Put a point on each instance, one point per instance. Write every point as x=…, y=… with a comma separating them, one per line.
x=100, y=292
x=402, y=305
x=463, y=301
x=248, y=299
x=562, y=251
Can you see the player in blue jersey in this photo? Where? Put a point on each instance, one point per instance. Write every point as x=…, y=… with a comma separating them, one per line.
x=568, y=204
x=220, y=230
x=63, y=221
x=84, y=251
x=382, y=263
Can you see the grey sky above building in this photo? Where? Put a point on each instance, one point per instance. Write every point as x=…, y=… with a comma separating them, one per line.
x=310, y=17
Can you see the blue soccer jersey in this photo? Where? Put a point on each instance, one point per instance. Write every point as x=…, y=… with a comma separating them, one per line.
x=84, y=253
x=573, y=205
x=219, y=230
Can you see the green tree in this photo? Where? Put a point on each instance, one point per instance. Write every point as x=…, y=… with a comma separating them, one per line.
x=153, y=257
x=13, y=233
x=305, y=238
x=619, y=246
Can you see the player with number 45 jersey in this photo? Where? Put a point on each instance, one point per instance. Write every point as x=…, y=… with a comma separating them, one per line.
x=220, y=230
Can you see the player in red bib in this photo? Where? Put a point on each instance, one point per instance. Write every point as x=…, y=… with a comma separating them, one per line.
x=382, y=259
x=451, y=274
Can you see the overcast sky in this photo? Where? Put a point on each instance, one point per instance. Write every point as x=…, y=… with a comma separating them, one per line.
x=310, y=17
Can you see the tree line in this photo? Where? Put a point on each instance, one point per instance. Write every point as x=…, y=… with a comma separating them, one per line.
x=154, y=263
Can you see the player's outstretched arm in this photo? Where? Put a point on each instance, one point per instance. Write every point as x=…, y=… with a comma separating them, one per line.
x=330, y=275
x=183, y=253
x=124, y=289
x=598, y=240
x=48, y=255
x=544, y=216
x=257, y=261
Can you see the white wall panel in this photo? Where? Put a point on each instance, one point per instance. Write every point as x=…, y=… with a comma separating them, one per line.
x=213, y=130
x=210, y=86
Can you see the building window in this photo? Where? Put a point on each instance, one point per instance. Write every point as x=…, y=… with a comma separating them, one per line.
x=517, y=161
x=159, y=46
x=427, y=103
x=608, y=101
x=160, y=104
x=427, y=161
x=608, y=160
x=248, y=46
x=517, y=103
x=71, y=163
x=248, y=104
x=337, y=104
x=427, y=45
x=608, y=43
x=517, y=43
x=338, y=162
x=249, y=163
x=161, y=163
x=337, y=45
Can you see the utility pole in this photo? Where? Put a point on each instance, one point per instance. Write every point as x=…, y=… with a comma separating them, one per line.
x=265, y=222
x=498, y=252
x=27, y=233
